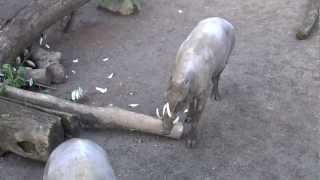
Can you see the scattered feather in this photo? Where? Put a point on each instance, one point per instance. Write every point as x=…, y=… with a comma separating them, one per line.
x=18, y=60
x=77, y=94
x=186, y=111
x=31, y=82
x=41, y=41
x=180, y=11
x=131, y=93
x=102, y=90
x=105, y=59
x=110, y=76
x=133, y=105
x=47, y=46
x=73, y=71
x=75, y=60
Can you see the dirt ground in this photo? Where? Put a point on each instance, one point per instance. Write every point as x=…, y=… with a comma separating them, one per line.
x=265, y=128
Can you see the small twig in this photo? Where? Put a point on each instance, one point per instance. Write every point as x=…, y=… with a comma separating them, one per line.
x=44, y=86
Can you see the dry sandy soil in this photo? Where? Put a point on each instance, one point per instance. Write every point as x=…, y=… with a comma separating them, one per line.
x=265, y=128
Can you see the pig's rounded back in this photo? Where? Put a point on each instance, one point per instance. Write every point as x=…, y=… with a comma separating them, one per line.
x=78, y=159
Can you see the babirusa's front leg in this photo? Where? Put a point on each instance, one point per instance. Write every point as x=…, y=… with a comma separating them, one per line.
x=195, y=111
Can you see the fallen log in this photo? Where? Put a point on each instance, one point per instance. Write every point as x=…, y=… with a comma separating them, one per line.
x=28, y=132
x=95, y=117
x=26, y=25
x=70, y=122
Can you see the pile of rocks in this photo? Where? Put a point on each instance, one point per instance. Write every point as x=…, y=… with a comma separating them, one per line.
x=42, y=66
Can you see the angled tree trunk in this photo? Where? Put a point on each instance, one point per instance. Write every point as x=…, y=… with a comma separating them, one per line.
x=29, y=22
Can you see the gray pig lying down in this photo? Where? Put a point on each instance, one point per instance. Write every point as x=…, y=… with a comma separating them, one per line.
x=78, y=159
x=200, y=61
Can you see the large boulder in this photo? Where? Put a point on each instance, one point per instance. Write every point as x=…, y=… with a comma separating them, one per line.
x=78, y=159
x=123, y=7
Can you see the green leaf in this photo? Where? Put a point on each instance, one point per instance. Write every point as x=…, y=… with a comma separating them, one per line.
x=2, y=90
x=22, y=71
x=8, y=71
x=19, y=82
x=13, y=77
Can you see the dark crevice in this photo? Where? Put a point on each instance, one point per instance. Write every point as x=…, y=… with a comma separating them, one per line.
x=26, y=146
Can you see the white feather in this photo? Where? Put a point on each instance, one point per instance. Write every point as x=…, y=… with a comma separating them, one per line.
x=133, y=105
x=41, y=41
x=102, y=90
x=105, y=59
x=73, y=96
x=110, y=76
x=30, y=82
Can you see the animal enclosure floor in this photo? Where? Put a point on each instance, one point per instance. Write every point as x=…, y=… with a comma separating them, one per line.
x=265, y=128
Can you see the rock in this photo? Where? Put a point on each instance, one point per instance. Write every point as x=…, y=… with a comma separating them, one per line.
x=58, y=73
x=39, y=76
x=78, y=159
x=123, y=7
x=44, y=58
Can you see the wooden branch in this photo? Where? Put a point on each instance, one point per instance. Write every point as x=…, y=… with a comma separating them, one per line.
x=28, y=132
x=27, y=24
x=96, y=117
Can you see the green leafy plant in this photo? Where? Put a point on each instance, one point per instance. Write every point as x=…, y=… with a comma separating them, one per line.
x=2, y=90
x=14, y=77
